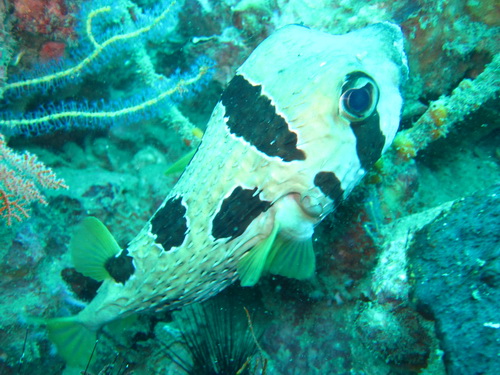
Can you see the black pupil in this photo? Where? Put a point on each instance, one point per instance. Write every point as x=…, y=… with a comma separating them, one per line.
x=359, y=100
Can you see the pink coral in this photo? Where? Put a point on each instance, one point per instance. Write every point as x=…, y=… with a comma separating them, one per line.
x=52, y=50
x=21, y=178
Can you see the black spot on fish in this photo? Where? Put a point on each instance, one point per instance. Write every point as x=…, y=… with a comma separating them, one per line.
x=170, y=224
x=252, y=116
x=329, y=185
x=237, y=212
x=120, y=268
x=369, y=140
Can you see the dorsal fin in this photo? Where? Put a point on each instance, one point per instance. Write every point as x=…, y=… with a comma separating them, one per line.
x=91, y=246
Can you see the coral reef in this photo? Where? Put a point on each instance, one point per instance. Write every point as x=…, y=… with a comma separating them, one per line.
x=443, y=114
x=5, y=45
x=107, y=40
x=365, y=312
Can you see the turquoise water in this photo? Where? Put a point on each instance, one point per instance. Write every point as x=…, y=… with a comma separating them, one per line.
x=109, y=99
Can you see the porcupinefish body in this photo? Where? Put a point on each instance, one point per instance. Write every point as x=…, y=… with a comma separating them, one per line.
x=304, y=118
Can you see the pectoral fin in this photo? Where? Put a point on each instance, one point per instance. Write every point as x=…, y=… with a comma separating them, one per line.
x=292, y=258
x=252, y=265
x=279, y=256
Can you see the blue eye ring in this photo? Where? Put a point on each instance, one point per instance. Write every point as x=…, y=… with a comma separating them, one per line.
x=359, y=97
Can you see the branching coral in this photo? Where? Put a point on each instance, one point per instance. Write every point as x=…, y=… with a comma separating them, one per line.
x=22, y=177
x=444, y=113
x=111, y=30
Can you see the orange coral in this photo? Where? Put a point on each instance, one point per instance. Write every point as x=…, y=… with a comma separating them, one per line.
x=11, y=209
x=439, y=114
x=21, y=178
x=405, y=147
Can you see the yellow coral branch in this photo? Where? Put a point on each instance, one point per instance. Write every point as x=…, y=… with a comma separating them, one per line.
x=178, y=88
x=99, y=47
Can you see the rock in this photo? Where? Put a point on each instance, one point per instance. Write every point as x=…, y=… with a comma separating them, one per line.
x=455, y=265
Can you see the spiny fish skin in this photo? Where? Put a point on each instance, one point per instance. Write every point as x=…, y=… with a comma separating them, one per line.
x=295, y=130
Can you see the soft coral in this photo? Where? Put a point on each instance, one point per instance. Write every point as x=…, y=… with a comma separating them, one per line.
x=47, y=17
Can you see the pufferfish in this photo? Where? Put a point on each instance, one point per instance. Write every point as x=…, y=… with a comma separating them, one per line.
x=304, y=118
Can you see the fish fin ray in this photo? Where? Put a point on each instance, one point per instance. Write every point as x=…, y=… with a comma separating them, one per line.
x=74, y=341
x=180, y=164
x=292, y=258
x=250, y=267
x=91, y=246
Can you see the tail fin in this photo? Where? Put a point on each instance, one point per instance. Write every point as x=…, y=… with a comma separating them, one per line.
x=74, y=341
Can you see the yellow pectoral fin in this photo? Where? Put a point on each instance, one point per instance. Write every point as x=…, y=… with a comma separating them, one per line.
x=91, y=246
x=292, y=258
x=251, y=266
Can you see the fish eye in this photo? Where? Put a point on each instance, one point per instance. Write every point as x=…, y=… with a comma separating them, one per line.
x=359, y=97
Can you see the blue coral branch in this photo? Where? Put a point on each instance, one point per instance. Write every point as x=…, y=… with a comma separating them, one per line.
x=112, y=31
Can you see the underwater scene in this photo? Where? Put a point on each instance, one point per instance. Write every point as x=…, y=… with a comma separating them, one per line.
x=242, y=187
